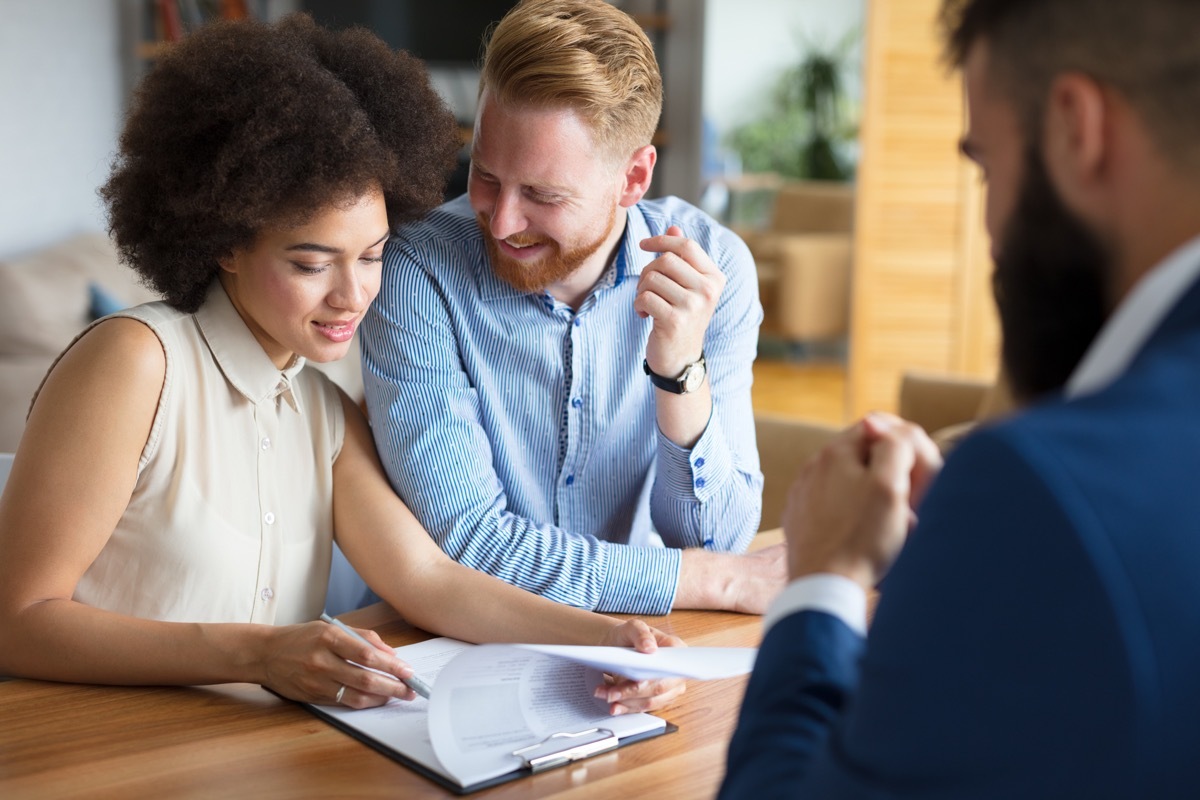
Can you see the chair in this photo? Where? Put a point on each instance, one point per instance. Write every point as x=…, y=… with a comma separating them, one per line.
x=784, y=444
x=946, y=406
x=949, y=406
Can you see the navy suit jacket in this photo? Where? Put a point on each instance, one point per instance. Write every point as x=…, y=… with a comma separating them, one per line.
x=1039, y=635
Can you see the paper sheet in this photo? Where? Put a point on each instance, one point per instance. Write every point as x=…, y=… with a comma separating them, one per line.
x=489, y=700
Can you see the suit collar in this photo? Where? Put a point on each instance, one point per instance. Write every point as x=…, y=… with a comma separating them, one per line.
x=1166, y=296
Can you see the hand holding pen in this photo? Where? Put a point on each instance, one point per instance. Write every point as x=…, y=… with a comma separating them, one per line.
x=411, y=681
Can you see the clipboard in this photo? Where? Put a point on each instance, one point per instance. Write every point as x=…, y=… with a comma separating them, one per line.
x=556, y=750
x=492, y=705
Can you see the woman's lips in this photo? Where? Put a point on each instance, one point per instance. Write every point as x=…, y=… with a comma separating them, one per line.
x=338, y=332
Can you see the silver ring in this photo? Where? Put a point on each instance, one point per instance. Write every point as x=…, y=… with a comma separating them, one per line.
x=337, y=698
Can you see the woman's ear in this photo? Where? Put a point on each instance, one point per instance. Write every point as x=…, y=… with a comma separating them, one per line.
x=229, y=263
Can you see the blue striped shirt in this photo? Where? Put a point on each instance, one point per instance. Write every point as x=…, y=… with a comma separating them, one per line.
x=522, y=434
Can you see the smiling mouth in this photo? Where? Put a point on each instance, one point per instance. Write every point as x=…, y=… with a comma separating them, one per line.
x=336, y=331
x=519, y=249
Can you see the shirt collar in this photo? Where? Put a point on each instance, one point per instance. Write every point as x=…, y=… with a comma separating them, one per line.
x=239, y=355
x=636, y=230
x=1135, y=320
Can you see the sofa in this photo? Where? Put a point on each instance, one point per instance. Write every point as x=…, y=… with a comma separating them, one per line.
x=804, y=258
x=47, y=297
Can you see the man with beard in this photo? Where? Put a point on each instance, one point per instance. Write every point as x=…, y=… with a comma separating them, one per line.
x=1037, y=633
x=558, y=371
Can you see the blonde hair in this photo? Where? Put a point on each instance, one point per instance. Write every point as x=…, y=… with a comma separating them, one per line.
x=585, y=55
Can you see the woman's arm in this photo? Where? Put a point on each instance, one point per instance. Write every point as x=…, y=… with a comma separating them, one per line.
x=71, y=481
x=399, y=560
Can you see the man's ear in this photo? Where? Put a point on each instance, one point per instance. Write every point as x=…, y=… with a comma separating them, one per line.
x=638, y=172
x=1077, y=137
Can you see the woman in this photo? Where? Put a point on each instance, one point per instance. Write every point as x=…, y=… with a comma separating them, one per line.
x=170, y=512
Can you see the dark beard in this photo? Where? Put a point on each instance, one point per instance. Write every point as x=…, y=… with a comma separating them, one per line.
x=1051, y=284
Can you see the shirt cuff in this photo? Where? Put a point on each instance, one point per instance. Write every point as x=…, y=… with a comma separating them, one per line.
x=703, y=470
x=639, y=580
x=832, y=594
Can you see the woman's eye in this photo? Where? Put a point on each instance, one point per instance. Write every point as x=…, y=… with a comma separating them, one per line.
x=308, y=270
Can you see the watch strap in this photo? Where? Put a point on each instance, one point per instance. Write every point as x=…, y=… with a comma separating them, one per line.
x=672, y=385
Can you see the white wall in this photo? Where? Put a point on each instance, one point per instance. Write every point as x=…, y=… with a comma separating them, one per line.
x=749, y=43
x=61, y=66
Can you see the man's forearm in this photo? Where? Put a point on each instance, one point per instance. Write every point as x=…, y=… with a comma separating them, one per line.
x=746, y=583
x=682, y=418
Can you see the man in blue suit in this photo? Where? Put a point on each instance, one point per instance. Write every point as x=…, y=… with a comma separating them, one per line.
x=1039, y=633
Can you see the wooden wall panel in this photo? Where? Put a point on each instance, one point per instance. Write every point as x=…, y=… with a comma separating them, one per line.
x=921, y=295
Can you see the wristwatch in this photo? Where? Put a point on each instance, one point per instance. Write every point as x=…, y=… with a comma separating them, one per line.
x=691, y=379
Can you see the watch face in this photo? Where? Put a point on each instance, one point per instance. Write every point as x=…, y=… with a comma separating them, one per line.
x=693, y=377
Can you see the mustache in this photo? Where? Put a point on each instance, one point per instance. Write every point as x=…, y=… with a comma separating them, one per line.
x=517, y=239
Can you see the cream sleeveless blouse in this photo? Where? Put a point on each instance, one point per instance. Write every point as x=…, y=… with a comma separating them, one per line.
x=231, y=518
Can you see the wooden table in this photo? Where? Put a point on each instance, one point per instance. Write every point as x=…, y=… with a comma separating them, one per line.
x=238, y=740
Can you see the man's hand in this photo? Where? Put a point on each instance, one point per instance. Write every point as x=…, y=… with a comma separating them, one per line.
x=852, y=506
x=679, y=290
x=730, y=582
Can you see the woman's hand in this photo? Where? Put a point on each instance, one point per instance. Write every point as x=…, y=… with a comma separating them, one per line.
x=309, y=663
x=625, y=696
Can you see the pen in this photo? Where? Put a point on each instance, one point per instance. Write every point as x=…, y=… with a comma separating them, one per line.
x=413, y=682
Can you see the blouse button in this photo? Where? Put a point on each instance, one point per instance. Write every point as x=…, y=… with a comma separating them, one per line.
x=266, y=594
x=269, y=518
x=266, y=443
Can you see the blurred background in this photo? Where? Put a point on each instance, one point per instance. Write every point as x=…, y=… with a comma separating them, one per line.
x=823, y=131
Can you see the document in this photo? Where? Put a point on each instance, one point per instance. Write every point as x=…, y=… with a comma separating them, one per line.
x=497, y=712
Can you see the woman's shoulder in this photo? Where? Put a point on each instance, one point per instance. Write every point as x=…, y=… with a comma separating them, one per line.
x=110, y=378
x=118, y=350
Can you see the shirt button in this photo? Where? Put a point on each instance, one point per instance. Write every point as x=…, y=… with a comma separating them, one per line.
x=699, y=463
x=269, y=518
x=577, y=323
x=570, y=479
x=266, y=443
x=576, y=403
x=699, y=483
x=266, y=594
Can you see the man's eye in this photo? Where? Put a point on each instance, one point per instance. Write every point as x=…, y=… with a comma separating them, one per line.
x=308, y=270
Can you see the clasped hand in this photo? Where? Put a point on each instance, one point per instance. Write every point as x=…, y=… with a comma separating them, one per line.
x=852, y=506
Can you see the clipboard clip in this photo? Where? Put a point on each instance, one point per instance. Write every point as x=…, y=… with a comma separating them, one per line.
x=563, y=748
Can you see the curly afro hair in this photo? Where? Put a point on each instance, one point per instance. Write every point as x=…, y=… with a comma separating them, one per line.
x=245, y=124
